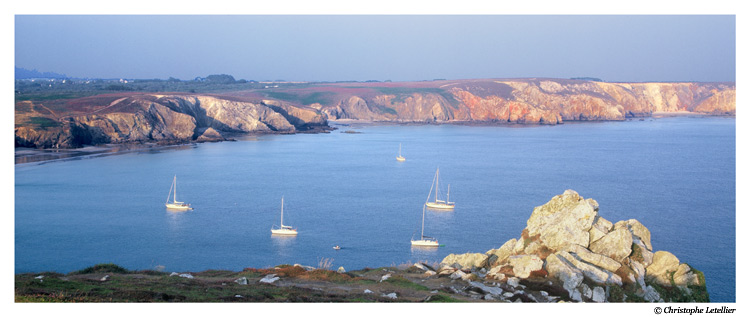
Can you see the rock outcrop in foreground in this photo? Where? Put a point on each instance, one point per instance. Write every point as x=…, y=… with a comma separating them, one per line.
x=568, y=252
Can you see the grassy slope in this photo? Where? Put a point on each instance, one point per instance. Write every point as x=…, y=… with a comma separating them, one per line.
x=296, y=285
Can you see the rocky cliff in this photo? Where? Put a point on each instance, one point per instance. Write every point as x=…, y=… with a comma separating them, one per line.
x=175, y=118
x=163, y=118
x=545, y=101
x=568, y=252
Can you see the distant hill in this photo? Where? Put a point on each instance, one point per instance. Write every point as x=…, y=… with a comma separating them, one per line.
x=22, y=73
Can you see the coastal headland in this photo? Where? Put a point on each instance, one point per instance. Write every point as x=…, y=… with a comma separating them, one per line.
x=134, y=115
x=566, y=253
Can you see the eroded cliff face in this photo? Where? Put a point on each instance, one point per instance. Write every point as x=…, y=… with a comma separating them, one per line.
x=170, y=119
x=187, y=117
x=537, y=101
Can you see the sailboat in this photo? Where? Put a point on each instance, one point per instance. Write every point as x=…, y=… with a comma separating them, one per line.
x=440, y=204
x=424, y=241
x=399, y=157
x=175, y=205
x=282, y=229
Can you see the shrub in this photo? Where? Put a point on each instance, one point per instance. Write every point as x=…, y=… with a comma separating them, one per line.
x=102, y=268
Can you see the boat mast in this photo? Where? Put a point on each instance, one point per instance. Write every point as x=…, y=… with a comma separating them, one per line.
x=437, y=183
x=399, y=149
x=282, y=212
x=448, y=197
x=175, y=188
x=423, y=207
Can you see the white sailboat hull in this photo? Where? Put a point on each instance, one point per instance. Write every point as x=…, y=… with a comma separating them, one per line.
x=400, y=159
x=285, y=232
x=424, y=243
x=439, y=205
x=178, y=206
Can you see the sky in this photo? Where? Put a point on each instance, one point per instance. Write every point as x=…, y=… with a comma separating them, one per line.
x=624, y=48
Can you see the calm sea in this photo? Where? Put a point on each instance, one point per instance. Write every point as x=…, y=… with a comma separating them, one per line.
x=675, y=175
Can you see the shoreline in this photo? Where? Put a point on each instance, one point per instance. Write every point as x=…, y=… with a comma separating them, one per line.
x=34, y=156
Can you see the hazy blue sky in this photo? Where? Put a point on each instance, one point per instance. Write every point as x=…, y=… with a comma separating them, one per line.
x=380, y=47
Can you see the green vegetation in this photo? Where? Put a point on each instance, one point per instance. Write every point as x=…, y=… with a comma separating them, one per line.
x=402, y=93
x=43, y=122
x=400, y=281
x=102, y=268
x=442, y=298
x=321, y=97
x=218, y=79
x=628, y=293
x=210, y=286
x=384, y=109
x=54, y=95
x=636, y=253
x=588, y=78
x=55, y=89
x=109, y=282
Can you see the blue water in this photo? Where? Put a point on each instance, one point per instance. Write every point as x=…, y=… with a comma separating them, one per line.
x=675, y=175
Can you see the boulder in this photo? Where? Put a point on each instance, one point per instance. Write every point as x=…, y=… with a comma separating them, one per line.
x=502, y=253
x=641, y=252
x=497, y=275
x=599, y=260
x=599, y=229
x=458, y=274
x=684, y=276
x=650, y=294
x=210, y=135
x=533, y=248
x=466, y=260
x=518, y=247
x=586, y=291
x=599, y=295
x=565, y=219
x=523, y=265
x=446, y=270
x=638, y=230
x=576, y=295
x=640, y=273
x=513, y=282
x=241, y=280
x=557, y=267
x=659, y=271
x=307, y=268
x=385, y=277
x=487, y=289
x=269, y=279
x=592, y=272
x=616, y=244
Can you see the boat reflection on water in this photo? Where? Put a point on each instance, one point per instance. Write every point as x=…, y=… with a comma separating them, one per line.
x=283, y=247
x=417, y=250
x=283, y=240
